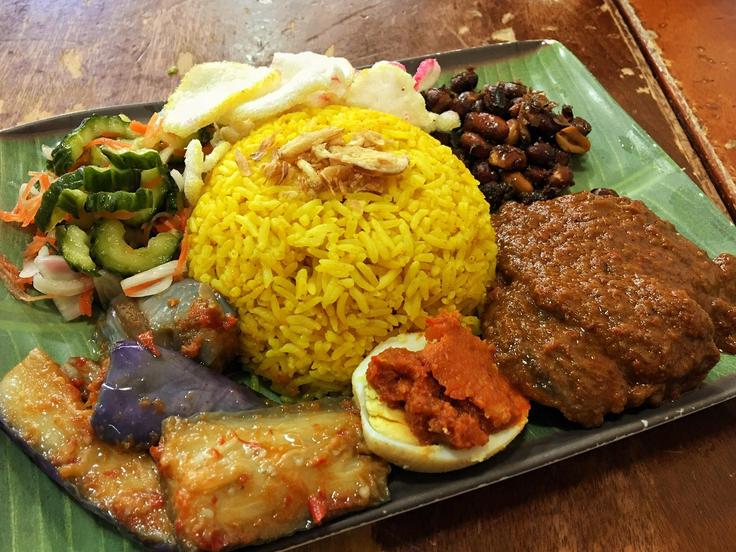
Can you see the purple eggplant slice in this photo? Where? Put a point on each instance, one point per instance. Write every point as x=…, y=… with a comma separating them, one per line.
x=42, y=410
x=189, y=317
x=141, y=390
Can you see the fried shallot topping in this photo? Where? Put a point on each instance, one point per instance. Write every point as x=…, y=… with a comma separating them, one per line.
x=263, y=148
x=242, y=163
x=304, y=142
x=324, y=161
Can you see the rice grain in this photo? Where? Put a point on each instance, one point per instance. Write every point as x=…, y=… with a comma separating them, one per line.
x=319, y=281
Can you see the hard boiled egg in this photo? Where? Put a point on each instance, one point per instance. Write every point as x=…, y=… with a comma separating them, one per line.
x=387, y=433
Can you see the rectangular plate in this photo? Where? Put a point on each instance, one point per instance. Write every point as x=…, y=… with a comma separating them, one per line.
x=35, y=515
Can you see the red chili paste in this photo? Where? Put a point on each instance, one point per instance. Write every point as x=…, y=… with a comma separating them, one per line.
x=451, y=392
x=147, y=342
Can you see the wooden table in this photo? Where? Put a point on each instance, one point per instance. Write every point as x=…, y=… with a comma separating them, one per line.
x=692, y=58
x=673, y=488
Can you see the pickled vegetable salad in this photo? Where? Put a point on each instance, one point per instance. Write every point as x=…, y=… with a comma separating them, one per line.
x=108, y=214
x=111, y=209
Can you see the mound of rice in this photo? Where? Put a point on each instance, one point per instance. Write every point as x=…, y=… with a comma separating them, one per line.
x=319, y=281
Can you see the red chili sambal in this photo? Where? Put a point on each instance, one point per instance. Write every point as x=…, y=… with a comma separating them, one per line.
x=451, y=391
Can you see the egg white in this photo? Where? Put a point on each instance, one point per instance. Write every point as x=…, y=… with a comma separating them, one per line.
x=415, y=456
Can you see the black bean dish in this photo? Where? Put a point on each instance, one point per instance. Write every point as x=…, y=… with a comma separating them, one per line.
x=511, y=139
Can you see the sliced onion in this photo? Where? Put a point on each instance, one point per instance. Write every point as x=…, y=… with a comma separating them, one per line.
x=29, y=269
x=159, y=277
x=156, y=286
x=69, y=307
x=155, y=273
x=43, y=252
x=427, y=74
x=46, y=151
x=55, y=267
x=178, y=178
x=166, y=153
x=62, y=288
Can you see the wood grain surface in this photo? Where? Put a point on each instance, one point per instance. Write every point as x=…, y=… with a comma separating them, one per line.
x=692, y=58
x=108, y=53
x=672, y=488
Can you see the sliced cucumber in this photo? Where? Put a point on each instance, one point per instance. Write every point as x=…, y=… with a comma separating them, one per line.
x=97, y=158
x=74, y=244
x=174, y=196
x=110, y=202
x=94, y=180
x=160, y=195
x=48, y=214
x=149, y=176
x=110, y=179
x=144, y=215
x=112, y=252
x=128, y=159
x=72, y=202
x=90, y=190
x=71, y=147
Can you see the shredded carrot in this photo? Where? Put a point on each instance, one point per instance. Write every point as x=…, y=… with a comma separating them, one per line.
x=108, y=142
x=153, y=183
x=140, y=287
x=175, y=222
x=154, y=128
x=31, y=208
x=84, y=159
x=38, y=241
x=85, y=302
x=183, y=215
x=181, y=264
x=45, y=181
x=27, y=190
x=180, y=152
x=153, y=121
x=165, y=224
x=10, y=216
x=138, y=127
x=29, y=200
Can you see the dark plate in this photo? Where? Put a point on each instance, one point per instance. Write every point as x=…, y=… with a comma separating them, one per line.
x=37, y=516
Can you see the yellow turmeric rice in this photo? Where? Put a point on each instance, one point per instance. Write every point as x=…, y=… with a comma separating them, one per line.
x=319, y=280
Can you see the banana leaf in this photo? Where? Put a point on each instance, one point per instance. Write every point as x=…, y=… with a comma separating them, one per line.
x=36, y=515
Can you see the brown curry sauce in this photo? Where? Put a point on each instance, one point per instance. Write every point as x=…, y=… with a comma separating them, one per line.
x=599, y=305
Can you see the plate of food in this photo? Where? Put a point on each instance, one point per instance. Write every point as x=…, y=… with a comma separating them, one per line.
x=295, y=299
